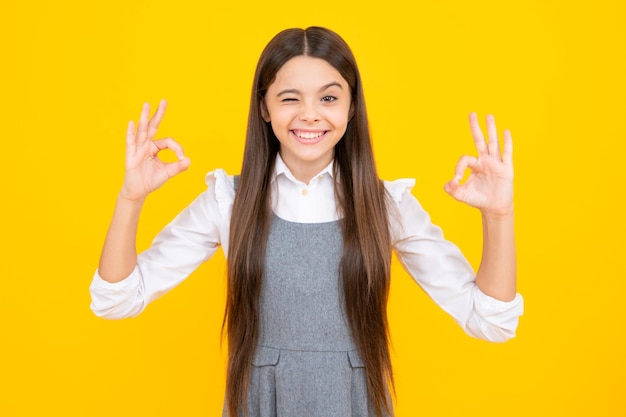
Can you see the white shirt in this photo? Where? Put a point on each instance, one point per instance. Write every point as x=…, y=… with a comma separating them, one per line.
x=195, y=234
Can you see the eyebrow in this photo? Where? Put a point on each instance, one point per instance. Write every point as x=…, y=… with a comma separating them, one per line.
x=295, y=91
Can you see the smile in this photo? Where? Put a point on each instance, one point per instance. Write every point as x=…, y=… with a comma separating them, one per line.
x=307, y=134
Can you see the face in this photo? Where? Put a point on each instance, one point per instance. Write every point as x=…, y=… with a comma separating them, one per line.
x=308, y=106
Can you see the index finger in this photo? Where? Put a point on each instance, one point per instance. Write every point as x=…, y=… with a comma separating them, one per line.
x=477, y=134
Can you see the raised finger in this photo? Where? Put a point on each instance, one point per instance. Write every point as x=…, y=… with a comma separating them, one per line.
x=171, y=144
x=492, y=135
x=507, y=153
x=477, y=134
x=154, y=122
x=130, y=138
x=142, y=127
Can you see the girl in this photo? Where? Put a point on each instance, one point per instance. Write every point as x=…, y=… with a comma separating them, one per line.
x=308, y=229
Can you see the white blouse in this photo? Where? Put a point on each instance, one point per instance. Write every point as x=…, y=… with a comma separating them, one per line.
x=195, y=234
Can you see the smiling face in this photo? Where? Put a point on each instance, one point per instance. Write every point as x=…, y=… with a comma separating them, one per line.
x=308, y=106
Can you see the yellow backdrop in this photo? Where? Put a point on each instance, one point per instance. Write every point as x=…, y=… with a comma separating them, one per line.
x=74, y=72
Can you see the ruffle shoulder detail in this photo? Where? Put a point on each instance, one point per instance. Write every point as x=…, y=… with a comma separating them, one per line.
x=399, y=187
x=224, y=187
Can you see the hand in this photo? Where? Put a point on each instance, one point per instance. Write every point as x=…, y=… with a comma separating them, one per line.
x=145, y=172
x=490, y=184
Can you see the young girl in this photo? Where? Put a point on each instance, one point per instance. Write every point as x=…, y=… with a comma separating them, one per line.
x=308, y=229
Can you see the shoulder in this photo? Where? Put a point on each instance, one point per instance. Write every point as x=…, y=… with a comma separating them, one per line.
x=219, y=179
x=399, y=189
x=223, y=184
x=221, y=188
x=407, y=217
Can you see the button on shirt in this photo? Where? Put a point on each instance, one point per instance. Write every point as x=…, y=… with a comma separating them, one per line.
x=196, y=233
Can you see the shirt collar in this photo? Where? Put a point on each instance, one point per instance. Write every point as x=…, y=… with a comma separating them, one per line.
x=280, y=168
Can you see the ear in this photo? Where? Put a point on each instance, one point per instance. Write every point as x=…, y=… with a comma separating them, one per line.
x=351, y=111
x=264, y=113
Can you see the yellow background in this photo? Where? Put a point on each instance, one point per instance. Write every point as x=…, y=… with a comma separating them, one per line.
x=73, y=74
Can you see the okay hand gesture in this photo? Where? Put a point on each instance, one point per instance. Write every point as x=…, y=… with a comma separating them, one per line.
x=490, y=184
x=145, y=172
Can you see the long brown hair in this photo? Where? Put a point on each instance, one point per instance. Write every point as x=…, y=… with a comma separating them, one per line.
x=361, y=197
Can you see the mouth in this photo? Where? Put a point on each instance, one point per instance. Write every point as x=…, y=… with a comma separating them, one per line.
x=309, y=137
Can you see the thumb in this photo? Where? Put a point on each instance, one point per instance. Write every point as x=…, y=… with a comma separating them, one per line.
x=451, y=186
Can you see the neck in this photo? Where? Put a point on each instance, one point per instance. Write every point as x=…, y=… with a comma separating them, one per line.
x=306, y=171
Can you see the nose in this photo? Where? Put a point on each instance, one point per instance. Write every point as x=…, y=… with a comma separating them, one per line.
x=310, y=113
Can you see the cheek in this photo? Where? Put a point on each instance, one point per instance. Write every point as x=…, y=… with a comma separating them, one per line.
x=341, y=116
x=282, y=115
x=279, y=124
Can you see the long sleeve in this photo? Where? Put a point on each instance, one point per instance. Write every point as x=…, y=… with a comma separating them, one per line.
x=190, y=239
x=440, y=268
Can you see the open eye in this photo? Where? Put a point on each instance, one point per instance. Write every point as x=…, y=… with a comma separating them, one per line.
x=329, y=99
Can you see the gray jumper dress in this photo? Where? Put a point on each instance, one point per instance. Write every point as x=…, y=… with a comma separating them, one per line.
x=306, y=363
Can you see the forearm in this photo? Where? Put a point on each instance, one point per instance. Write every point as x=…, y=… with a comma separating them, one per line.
x=119, y=254
x=496, y=275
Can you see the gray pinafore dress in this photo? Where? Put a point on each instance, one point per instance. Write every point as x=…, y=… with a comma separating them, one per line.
x=306, y=363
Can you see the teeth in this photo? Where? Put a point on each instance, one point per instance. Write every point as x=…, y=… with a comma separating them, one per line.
x=309, y=135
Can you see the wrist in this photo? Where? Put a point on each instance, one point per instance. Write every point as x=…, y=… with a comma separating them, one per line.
x=502, y=214
x=125, y=198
